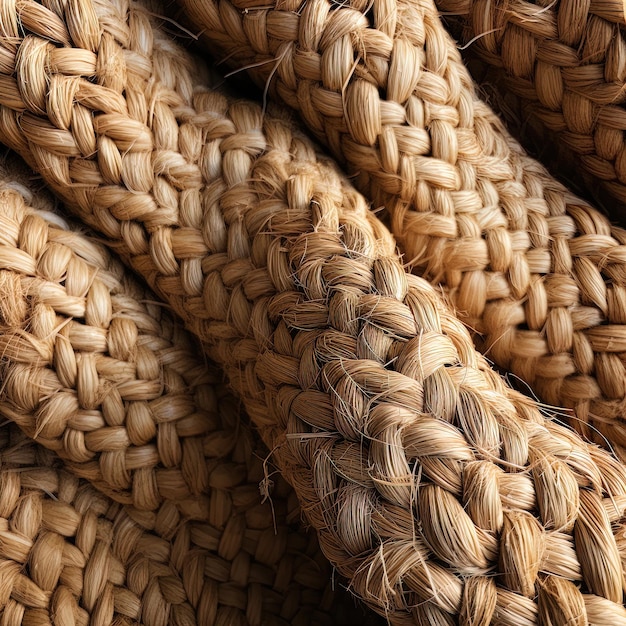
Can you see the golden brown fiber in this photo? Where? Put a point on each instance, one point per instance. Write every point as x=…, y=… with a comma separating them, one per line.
x=441, y=495
x=536, y=272
x=566, y=62
x=93, y=368
x=69, y=556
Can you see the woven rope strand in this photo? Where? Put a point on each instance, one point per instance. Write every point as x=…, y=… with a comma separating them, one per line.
x=95, y=370
x=70, y=555
x=535, y=271
x=440, y=494
x=565, y=62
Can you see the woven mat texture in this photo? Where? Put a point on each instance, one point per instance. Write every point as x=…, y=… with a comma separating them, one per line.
x=191, y=524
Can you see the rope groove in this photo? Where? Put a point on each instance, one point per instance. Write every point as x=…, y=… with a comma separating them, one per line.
x=429, y=482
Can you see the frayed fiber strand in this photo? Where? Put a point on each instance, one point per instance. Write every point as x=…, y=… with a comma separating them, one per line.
x=537, y=273
x=440, y=494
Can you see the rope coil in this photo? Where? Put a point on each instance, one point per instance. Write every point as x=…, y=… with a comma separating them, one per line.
x=438, y=492
x=96, y=370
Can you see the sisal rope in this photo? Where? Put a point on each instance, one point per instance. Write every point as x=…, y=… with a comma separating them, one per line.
x=69, y=556
x=566, y=63
x=535, y=271
x=527, y=128
x=94, y=369
x=440, y=494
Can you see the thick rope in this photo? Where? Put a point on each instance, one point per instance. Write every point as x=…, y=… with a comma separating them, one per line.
x=439, y=493
x=69, y=556
x=93, y=368
x=566, y=62
x=536, y=272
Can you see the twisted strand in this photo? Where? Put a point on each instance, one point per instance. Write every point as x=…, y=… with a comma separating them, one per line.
x=536, y=272
x=94, y=369
x=441, y=495
x=565, y=62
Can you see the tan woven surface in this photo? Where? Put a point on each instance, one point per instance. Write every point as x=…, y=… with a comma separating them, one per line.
x=96, y=370
x=536, y=272
x=521, y=120
x=441, y=495
x=70, y=556
x=566, y=62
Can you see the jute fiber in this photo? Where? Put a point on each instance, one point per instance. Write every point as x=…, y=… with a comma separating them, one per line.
x=527, y=128
x=566, y=62
x=71, y=556
x=94, y=369
x=443, y=496
x=536, y=272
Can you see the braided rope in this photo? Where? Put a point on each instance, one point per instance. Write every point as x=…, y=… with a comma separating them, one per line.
x=439, y=493
x=69, y=555
x=94, y=369
x=565, y=61
x=535, y=271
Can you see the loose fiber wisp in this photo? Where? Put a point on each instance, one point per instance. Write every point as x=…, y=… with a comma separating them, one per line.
x=95, y=369
x=440, y=494
x=538, y=273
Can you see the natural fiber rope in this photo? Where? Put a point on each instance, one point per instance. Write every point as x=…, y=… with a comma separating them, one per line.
x=70, y=556
x=526, y=127
x=536, y=272
x=93, y=368
x=567, y=60
x=440, y=494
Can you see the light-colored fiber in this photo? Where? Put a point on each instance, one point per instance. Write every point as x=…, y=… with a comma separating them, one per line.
x=93, y=368
x=526, y=128
x=440, y=494
x=70, y=556
x=566, y=63
x=536, y=272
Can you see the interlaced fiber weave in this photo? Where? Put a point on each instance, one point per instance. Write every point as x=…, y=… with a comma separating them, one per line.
x=71, y=556
x=94, y=369
x=443, y=496
x=567, y=60
x=536, y=272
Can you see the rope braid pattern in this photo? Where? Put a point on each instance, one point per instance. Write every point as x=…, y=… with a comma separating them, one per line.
x=443, y=496
x=567, y=62
x=535, y=271
x=69, y=556
x=94, y=371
